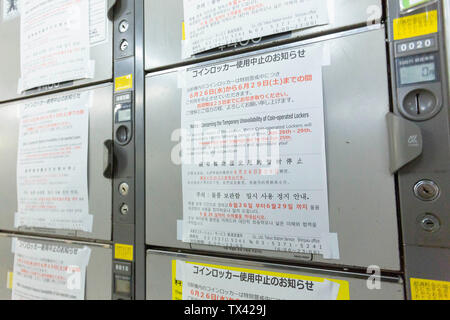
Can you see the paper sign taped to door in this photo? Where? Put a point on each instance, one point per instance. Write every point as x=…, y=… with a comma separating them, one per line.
x=44, y=271
x=55, y=45
x=198, y=281
x=52, y=163
x=254, y=169
x=211, y=24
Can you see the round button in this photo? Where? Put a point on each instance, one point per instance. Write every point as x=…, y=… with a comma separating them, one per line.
x=122, y=134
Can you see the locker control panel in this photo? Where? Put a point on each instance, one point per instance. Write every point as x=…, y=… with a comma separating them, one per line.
x=419, y=130
x=128, y=230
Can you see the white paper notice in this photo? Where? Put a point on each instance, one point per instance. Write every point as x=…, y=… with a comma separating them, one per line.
x=45, y=271
x=52, y=167
x=210, y=23
x=98, y=22
x=54, y=42
x=254, y=163
x=211, y=282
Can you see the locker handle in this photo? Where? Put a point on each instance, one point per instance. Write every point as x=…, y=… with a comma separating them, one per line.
x=111, y=5
x=405, y=141
x=108, y=159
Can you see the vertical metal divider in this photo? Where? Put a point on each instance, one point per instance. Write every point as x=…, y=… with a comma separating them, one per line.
x=128, y=280
x=140, y=256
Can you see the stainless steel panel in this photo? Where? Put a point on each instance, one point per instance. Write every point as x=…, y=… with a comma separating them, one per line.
x=426, y=263
x=10, y=60
x=163, y=28
x=361, y=189
x=100, y=199
x=98, y=272
x=159, y=276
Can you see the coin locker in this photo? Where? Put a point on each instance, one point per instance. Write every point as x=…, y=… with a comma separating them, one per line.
x=99, y=162
x=363, y=214
x=98, y=270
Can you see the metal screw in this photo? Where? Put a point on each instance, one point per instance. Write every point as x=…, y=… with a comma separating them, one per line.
x=430, y=223
x=124, y=209
x=426, y=190
x=124, y=188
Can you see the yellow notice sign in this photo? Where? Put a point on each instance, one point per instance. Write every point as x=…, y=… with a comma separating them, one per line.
x=183, y=31
x=177, y=285
x=416, y=25
x=123, y=252
x=214, y=282
x=9, y=281
x=422, y=289
x=124, y=83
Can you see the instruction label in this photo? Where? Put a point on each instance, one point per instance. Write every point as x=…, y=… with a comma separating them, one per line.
x=416, y=25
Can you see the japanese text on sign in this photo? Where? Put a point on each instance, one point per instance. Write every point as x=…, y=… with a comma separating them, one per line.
x=52, y=164
x=213, y=23
x=196, y=281
x=55, y=44
x=253, y=146
x=44, y=271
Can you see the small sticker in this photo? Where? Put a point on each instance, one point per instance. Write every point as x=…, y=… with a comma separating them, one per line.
x=10, y=9
x=177, y=285
x=124, y=83
x=422, y=289
x=123, y=252
x=9, y=281
x=416, y=25
x=183, y=31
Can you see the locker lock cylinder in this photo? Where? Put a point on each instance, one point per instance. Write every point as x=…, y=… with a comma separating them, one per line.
x=426, y=190
x=123, y=26
x=124, y=209
x=124, y=188
x=430, y=223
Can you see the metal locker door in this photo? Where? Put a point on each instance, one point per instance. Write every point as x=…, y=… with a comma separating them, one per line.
x=163, y=29
x=10, y=72
x=361, y=188
x=98, y=271
x=160, y=276
x=99, y=187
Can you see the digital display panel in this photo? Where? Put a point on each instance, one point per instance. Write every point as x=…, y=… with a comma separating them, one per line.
x=418, y=73
x=124, y=115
